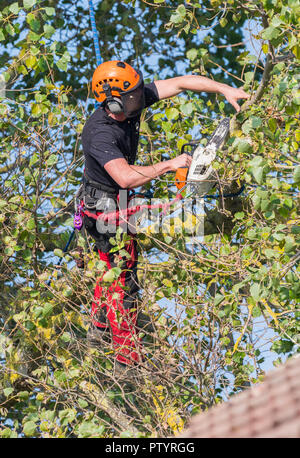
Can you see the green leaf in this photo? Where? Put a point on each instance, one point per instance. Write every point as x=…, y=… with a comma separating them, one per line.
x=36, y=110
x=296, y=174
x=30, y=224
x=111, y=274
x=6, y=433
x=239, y=215
x=255, y=291
x=14, y=8
x=176, y=18
x=82, y=403
x=223, y=22
x=62, y=64
x=192, y=54
x=29, y=3
x=67, y=416
x=66, y=337
x=30, y=61
x=33, y=160
x=248, y=76
x=270, y=33
x=181, y=10
x=244, y=146
x=289, y=243
x=258, y=174
x=34, y=23
x=50, y=11
x=58, y=252
x=49, y=30
x=10, y=29
x=90, y=429
x=52, y=159
x=172, y=113
x=256, y=122
x=32, y=36
x=272, y=125
x=7, y=391
x=246, y=127
x=29, y=428
x=187, y=108
x=218, y=299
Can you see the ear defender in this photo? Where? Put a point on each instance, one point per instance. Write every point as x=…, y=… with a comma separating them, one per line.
x=115, y=105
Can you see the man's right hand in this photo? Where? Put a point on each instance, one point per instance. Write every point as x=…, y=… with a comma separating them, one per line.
x=184, y=160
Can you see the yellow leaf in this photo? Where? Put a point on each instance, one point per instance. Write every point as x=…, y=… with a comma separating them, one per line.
x=13, y=377
x=270, y=311
x=250, y=307
x=174, y=421
x=48, y=333
x=30, y=61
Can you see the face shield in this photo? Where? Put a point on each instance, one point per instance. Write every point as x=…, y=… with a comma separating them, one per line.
x=133, y=100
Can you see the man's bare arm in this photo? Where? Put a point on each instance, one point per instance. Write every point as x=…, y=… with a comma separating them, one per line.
x=132, y=176
x=174, y=86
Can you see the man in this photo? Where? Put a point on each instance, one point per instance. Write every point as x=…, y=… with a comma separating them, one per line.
x=110, y=142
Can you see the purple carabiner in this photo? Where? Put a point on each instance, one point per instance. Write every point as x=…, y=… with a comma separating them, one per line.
x=77, y=221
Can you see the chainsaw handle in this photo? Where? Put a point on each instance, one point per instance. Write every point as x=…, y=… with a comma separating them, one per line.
x=193, y=144
x=182, y=172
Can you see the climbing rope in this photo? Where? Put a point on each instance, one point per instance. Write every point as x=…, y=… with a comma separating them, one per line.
x=98, y=62
x=95, y=38
x=95, y=33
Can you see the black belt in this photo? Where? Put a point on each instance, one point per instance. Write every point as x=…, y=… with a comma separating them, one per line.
x=95, y=186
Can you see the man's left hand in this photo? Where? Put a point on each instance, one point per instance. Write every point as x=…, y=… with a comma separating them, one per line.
x=232, y=95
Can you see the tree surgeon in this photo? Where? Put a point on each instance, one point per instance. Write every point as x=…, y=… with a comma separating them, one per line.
x=110, y=141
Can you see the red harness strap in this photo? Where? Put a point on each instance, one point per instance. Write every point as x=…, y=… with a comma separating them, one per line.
x=123, y=215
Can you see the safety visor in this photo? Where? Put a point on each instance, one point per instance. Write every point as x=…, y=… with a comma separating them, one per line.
x=133, y=100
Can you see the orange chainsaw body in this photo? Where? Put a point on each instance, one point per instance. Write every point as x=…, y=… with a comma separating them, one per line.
x=182, y=172
x=180, y=177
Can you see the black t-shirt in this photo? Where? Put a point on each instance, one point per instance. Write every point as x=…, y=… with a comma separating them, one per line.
x=105, y=139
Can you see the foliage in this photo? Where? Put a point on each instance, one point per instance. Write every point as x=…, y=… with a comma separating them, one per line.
x=241, y=278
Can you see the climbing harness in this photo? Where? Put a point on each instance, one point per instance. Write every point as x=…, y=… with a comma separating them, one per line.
x=122, y=215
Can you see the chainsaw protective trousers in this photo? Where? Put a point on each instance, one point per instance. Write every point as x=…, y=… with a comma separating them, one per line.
x=115, y=303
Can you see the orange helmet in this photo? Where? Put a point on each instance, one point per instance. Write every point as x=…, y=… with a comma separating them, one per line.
x=115, y=82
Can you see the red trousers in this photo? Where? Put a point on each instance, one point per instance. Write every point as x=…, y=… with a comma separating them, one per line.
x=118, y=301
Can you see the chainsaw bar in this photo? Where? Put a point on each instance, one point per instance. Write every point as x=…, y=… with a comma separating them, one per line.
x=201, y=174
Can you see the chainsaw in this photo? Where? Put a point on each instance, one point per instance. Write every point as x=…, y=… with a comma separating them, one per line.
x=200, y=176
